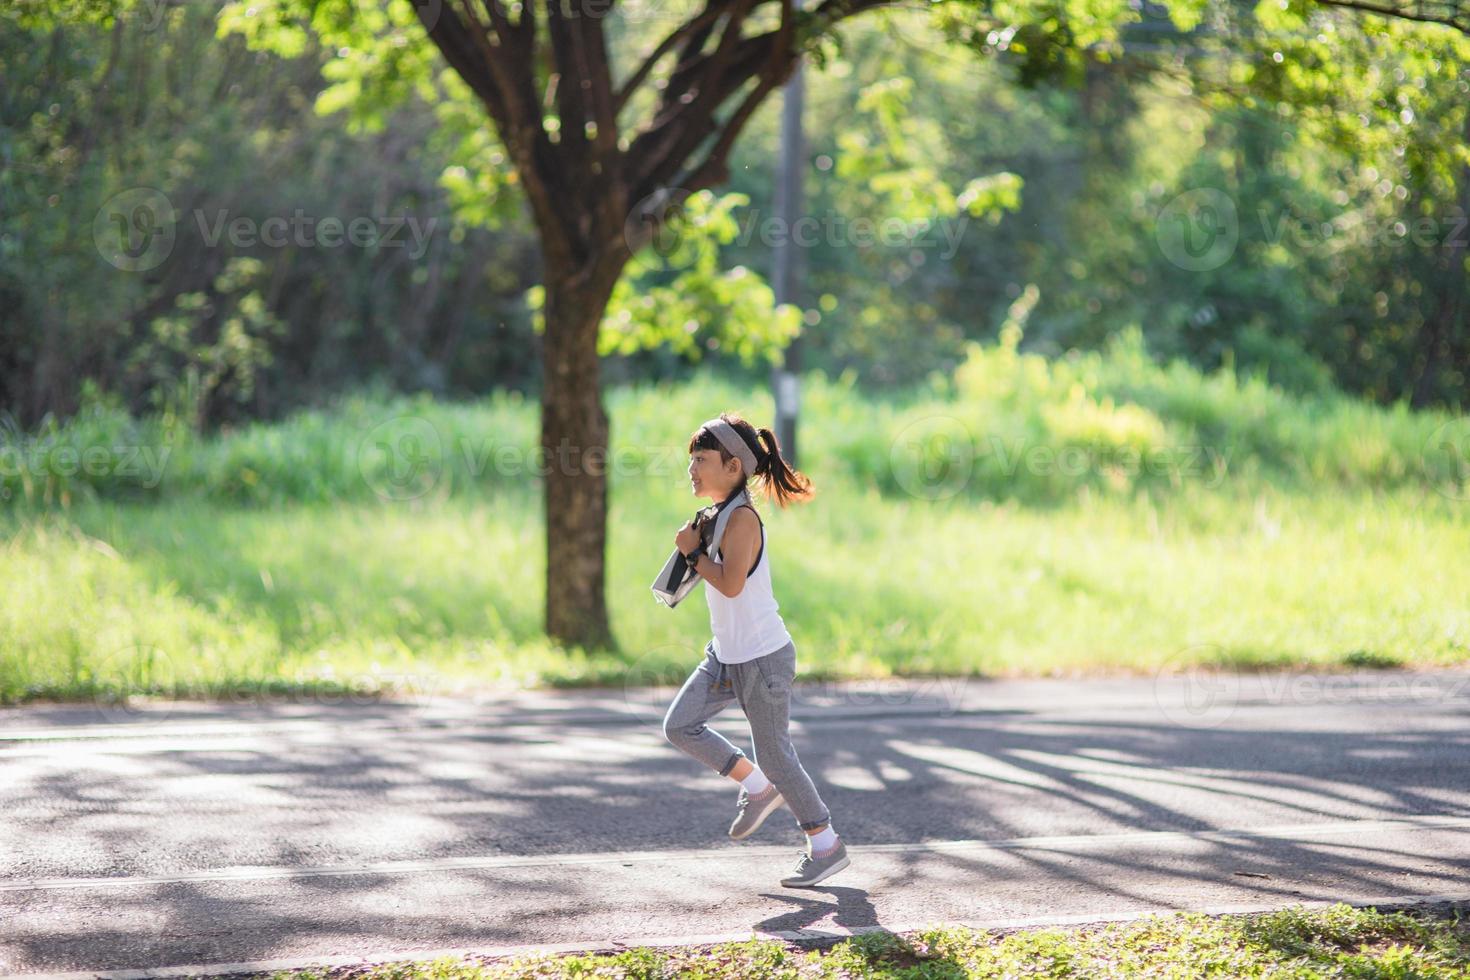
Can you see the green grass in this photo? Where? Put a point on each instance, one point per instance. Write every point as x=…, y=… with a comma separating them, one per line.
x=1336, y=942
x=1275, y=532
x=1004, y=426
x=195, y=597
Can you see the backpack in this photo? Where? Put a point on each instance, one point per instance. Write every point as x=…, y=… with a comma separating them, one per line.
x=677, y=579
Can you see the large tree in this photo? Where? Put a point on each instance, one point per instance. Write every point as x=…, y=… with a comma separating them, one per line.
x=597, y=195
x=611, y=112
x=604, y=155
x=605, y=152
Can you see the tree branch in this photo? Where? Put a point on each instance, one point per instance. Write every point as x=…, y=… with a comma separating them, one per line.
x=714, y=168
x=831, y=12
x=700, y=84
x=570, y=95
x=610, y=192
x=1454, y=16
x=453, y=39
x=686, y=117
x=705, y=18
x=502, y=78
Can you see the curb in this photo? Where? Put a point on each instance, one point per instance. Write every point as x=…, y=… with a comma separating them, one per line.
x=815, y=938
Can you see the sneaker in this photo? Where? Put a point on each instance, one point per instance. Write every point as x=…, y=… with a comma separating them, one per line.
x=810, y=870
x=751, y=811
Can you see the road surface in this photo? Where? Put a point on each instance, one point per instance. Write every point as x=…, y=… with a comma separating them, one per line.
x=212, y=835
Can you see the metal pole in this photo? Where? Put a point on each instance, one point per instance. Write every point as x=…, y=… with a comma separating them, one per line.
x=787, y=258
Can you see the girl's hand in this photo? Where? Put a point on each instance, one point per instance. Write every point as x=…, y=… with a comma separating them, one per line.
x=687, y=538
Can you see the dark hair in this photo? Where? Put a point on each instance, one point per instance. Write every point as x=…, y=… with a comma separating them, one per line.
x=780, y=482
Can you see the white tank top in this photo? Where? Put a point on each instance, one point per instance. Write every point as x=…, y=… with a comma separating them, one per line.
x=749, y=625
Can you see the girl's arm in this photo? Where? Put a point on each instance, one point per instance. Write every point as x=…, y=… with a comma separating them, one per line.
x=737, y=548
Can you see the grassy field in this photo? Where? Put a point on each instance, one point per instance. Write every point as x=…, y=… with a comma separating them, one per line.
x=1021, y=517
x=1337, y=942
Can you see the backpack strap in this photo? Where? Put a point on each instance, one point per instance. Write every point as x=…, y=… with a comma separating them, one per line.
x=740, y=500
x=722, y=518
x=762, y=550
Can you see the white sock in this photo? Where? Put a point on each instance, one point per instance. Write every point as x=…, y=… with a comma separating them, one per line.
x=822, y=840
x=755, y=781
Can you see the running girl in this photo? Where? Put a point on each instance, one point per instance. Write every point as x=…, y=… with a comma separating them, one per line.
x=751, y=657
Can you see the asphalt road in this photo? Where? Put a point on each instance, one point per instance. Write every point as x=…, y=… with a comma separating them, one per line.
x=211, y=834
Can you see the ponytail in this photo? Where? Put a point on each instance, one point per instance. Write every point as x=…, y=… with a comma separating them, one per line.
x=781, y=482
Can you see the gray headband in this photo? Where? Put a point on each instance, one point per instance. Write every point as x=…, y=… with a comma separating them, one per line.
x=734, y=444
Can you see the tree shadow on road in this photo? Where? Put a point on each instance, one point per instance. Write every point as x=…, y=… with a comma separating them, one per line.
x=1062, y=811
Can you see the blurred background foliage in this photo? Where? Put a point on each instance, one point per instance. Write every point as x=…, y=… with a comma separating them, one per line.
x=1330, y=150
x=1154, y=337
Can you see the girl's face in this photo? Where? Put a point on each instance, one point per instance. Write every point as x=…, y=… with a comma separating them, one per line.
x=708, y=477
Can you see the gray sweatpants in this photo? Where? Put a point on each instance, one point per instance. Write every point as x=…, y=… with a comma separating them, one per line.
x=763, y=688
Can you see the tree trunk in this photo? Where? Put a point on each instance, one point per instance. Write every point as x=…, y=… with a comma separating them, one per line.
x=574, y=440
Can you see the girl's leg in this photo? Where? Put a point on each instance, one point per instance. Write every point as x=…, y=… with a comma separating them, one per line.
x=763, y=686
x=707, y=691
